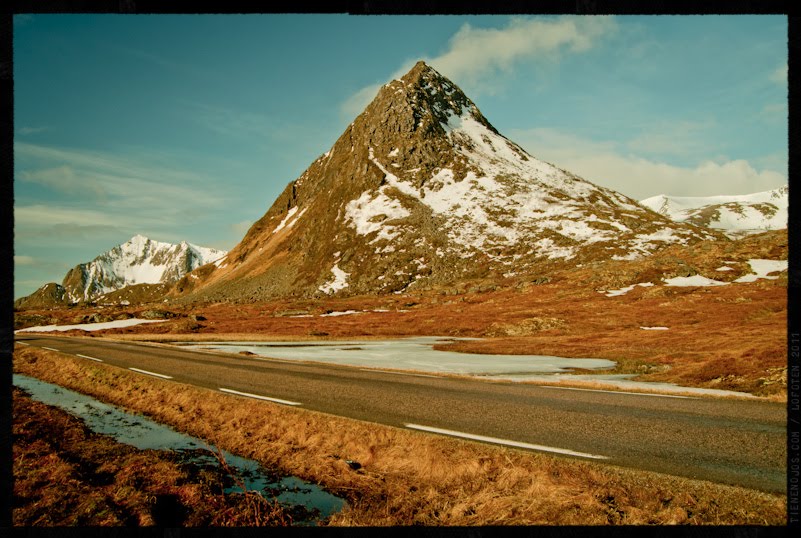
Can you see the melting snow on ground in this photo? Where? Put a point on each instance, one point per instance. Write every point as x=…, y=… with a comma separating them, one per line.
x=762, y=268
x=286, y=222
x=695, y=280
x=341, y=313
x=623, y=291
x=91, y=326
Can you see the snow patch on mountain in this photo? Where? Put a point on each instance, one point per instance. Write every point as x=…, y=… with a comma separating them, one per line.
x=340, y=280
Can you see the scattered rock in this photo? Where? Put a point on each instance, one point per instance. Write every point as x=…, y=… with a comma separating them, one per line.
x=197, y=317
x=157, y=314
x=525, y=327
x=288, y=313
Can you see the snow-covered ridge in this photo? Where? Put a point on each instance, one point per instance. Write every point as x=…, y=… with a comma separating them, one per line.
x=733, y=214
x=505, y=198
x=139, y=260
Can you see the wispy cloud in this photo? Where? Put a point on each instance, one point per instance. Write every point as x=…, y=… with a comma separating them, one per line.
x=476, y=55
x=94, y=191
x=240, y=228
x=230, y=122
x=676, y=138
x=779, y=76
x=32, y=130
x=241, y=124
x=610, y=166
x=157, y=59
x=23, y=260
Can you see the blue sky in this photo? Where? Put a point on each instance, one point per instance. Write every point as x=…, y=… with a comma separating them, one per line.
x=187, y=127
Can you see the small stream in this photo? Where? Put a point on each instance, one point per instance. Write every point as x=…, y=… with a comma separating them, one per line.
x=310, y=503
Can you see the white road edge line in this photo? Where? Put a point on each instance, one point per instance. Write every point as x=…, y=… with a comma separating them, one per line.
x=151, y=373
x=87, y=357
x=394, y=373
x=23, y=344
x=622, y=392
x=50, y=349
x=258, y=397
x=507, y=442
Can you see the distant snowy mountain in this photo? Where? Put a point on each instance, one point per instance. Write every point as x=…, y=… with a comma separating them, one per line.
x=733, y=215
x=138, y=261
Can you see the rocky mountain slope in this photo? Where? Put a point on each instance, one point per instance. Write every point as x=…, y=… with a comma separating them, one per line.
x=137, y=261
x=733, y=215
x=419, y=191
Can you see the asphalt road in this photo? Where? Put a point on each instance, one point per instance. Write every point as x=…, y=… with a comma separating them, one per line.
x=727, y=441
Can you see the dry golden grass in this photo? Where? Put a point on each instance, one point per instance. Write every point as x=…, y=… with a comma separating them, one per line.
x=410, y=477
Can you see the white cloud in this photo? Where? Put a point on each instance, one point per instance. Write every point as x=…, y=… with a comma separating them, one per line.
x=779, y=76
x=241, y=228
x=639, y=178
x=474, y=55
x=23, y=260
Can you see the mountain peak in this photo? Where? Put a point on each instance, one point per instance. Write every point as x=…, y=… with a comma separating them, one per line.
x=421, y=190
x=420, y=72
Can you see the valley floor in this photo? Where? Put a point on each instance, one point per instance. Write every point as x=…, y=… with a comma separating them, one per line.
x=724, y=337
x=403, y=477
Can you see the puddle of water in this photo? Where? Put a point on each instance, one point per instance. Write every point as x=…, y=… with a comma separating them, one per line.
x=408, y=354
x=143, y=433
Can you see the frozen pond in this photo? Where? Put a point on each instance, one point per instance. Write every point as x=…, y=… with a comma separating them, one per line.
x=418, y=354
x=143, y=433
x=409, y=354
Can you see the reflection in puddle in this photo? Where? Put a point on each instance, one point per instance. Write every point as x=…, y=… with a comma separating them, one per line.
x=309, y=501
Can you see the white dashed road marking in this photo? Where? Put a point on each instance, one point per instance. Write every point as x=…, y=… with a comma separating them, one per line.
x=150, y=373
x=258, y=397
x=87, y=357
x=507, y=442
x=50, y=349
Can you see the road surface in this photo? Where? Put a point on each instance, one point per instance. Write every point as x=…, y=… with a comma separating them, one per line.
x=727, y=441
